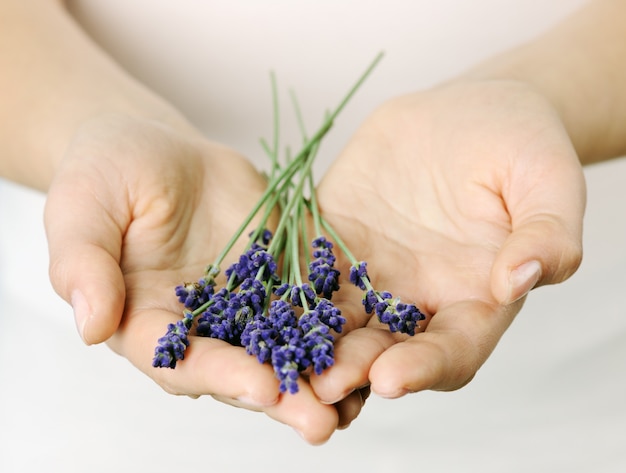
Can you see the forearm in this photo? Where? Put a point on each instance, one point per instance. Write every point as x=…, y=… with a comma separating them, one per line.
x=580, y=67
x=53, y=79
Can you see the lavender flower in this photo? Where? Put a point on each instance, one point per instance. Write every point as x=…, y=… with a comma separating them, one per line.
x=284, y=319
x=194, y=294
x=318, y=342
x=358, y=273
x=322, y=273
x=259, y=338
x=400, y=317
x=370, y=299
x=282, y=289
x=250, y=263
x=297, y=293
x=252, y=295
x=263, y=333
x=218, y=320
x=238, y=313
x=293, y=344
x=265, y=237
x=330, y=315
x=279, y=337
x=171, y=347
x=252, y=260
x=229, y=312
x=213, y=322
x=285, y=360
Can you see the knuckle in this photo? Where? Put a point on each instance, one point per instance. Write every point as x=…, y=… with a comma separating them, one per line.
x=571, y=256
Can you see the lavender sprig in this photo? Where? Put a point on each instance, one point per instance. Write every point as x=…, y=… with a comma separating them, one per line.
x=171, y=347
x=397, y=315
x=276, y=316
x=322, y=272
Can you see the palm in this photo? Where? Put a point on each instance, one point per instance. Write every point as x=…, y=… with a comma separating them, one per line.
x=427, y=193
x=165, y=203
x=160, y=206
x=184, y=213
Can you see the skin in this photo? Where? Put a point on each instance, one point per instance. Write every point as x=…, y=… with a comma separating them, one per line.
x=453, y=228
x=477, y=171
x=481, y=199
x=121, y=266
x=482, y=191
x=130, y=211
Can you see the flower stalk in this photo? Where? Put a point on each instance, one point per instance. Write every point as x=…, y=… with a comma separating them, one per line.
x=276, y=315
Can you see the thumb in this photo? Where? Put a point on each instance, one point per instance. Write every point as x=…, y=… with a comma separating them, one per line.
x=84, y=244
x=545, y=245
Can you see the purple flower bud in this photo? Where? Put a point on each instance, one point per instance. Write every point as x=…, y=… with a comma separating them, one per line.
x=370, y=299
x=282, y=289
x=318, y=341
x=259, y=338
x=299, y=292
x=249, y=265
x=357, y=274
x=400, y=317
x=322, y=274
x=263, y=239
x=171, y=347
x=194, y=294
x=330, y=315
x=286, y=367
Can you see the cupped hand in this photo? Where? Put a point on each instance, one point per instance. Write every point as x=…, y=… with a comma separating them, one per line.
x=137, y=208
x=461, y=199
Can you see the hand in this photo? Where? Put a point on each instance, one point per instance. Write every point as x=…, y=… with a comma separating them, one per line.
x=461, y=199
x=137, y=208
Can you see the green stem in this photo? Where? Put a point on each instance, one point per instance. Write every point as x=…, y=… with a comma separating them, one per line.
x=340, y=243
x=315, y=211
x=355, y=87
x=304, y=233
x=276, y=111
x=287, y=173
x=346, y=251
x=292, y=167
x=299, y=119
x=295, y=249
x=297, y=195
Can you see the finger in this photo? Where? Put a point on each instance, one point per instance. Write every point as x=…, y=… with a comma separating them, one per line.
x=354, y=354
x=214, y=367
x=545, y=244
x=349, y=408
x=84, y=244
x=447, y=355
x=313, y=421
x=210, y=366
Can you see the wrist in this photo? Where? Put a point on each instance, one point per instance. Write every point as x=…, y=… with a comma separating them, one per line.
x=65, y=81
x=578, y=68
x=571, y=100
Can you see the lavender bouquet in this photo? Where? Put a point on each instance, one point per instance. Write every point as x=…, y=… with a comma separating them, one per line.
x=277, y=312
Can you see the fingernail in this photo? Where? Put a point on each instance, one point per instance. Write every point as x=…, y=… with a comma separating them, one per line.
x=82, y=312
x=336, y=399
x=522, y=279
x=395, y=394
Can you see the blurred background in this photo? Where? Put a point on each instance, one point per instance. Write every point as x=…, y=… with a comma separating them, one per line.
x=549, y=399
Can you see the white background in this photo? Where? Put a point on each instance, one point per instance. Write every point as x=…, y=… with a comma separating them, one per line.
x=550, y=399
